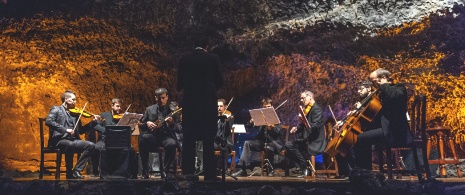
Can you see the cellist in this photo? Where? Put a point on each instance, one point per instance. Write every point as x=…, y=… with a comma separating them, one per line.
x=394, y=130
x=345, y=164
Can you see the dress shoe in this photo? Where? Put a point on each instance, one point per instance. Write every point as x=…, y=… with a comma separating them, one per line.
x=305, y=172
x=145, y=176
x=241, y=172
x=76, y=175
x=343, y=177
x=271, y=174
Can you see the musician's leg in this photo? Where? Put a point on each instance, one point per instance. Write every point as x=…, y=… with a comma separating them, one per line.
x=188, y=155
x=362, y=147
x=209, y=160
x=146, y=142
x=170, y=146
x=87, y=147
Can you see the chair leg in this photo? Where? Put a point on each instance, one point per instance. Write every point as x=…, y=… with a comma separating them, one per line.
x=417, y=164
x=389, y=162
x=233, y=162
x=397, y=159
x=452, y=147
x=262, y=159
x=58, y=164
x=41, y=167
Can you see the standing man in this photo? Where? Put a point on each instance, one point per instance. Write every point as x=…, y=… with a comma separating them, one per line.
x=200, y=77
x=65, y=129
x=157, y=130
x=267, y=134
x=394, y=130
x=312, y=140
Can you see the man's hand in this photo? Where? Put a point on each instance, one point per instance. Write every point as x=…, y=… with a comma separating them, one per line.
x=293, y=130
x=70, y=131
x=151, y=125
x=169, y=120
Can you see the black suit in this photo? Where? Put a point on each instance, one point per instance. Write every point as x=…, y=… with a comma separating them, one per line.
x=161, y=137
x=100, y=128
x=200, y=77
x=58, y=120
x=394, y=130
x=311, y=140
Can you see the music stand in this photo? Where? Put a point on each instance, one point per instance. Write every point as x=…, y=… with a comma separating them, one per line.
x=130, y=119
x=264, y=117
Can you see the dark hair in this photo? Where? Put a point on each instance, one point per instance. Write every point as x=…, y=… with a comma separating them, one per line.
x=222, y=100
x=116, y=100
x=66, y=94
x=267, y=101
x=365, y=83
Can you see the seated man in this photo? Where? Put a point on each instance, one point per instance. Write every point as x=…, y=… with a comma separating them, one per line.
x=312, y=137
x=268, y=135
x=223, y=139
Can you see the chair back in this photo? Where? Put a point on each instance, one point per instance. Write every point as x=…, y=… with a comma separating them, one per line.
x=285, y=128
x=328, y=125
x=42, y=139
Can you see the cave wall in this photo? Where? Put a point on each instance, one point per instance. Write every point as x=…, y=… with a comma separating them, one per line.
x=103, y=49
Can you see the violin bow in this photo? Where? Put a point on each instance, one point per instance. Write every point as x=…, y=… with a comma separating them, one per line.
x=124, y=113
x=229, y=104
x=79, y=118
x=280, y=105
x=332, y=113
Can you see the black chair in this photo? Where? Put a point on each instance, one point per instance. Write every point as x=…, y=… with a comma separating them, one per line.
x=46, y=149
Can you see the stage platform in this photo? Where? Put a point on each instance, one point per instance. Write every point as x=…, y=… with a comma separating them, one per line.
x=177, y=184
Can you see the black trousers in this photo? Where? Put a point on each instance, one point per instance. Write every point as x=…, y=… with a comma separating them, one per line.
x=293, y=152
x=362, y=148
x=74, y=146
x=149, y=142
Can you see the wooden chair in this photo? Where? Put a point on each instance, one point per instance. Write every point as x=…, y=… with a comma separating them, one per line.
x=418, y=127
x=232, y=154
x=329, y=162
x=46, y=149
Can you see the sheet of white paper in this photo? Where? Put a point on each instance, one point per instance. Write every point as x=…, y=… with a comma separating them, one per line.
x=239, y=128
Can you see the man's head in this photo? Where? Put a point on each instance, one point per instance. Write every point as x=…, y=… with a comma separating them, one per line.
x=306, y=97
x=380, y=76
x=221, y=106
x=364, y=88
x=267, y=103
x=116, y=105
x=161, y=95
x=68, y=99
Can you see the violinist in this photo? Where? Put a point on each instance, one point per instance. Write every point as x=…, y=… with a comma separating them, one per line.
x=157, y=127
x=393, y=127
x=267, y=134
x=65, y=128
x=225, y=122
x=112, y=118
x=311, y=140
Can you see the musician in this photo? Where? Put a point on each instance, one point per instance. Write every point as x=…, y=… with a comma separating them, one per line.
x=199, y=77
x=225, y=121
x=394, y=130
x=112, y=118
x=267, y=134
x=157, y=131
x=311, y=140
x=347, y=163
x=65, y=129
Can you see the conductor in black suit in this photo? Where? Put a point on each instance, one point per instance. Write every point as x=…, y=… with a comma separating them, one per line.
x=200, y=77
x=312, y=140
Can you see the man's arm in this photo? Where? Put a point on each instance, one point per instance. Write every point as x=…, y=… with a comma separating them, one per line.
x=51, y=119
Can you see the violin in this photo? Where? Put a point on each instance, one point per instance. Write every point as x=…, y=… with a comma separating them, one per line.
x=227, y=115
x=84, y=113
x=118, y=116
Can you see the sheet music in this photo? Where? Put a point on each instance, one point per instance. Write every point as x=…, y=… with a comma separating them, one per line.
x=239, y=128
x=130, y=119
x=264, y=116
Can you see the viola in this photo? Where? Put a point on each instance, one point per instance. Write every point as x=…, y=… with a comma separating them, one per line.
x=118, y=116
x=84, y=113
x=160, y=122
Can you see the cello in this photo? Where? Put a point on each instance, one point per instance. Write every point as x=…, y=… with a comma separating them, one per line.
x=351, y=127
